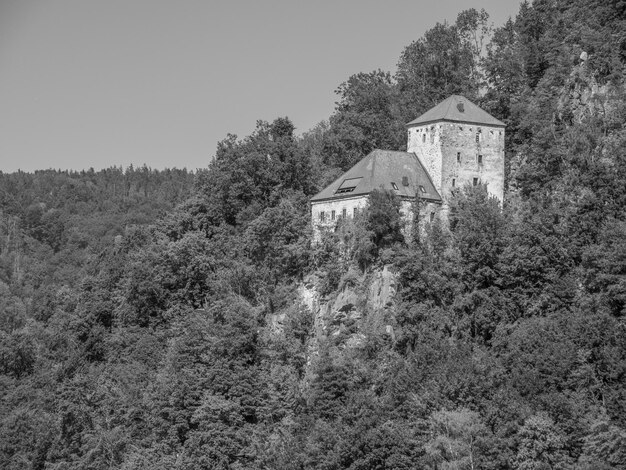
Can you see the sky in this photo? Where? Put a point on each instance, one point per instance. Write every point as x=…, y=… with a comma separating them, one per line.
x=101, y=83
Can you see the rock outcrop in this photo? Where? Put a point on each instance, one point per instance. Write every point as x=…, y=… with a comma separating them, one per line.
x=362, y=309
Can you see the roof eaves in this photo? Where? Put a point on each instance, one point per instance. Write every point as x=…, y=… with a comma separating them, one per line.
x=427, y=176
x=476, y=123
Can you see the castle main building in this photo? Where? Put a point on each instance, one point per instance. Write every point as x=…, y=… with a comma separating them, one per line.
x=453, y=144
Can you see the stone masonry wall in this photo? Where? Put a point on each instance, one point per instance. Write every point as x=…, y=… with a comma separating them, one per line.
x=337, y=205
x=450, y=152
x=428, y=212
x=466, y=143
x=425, y=141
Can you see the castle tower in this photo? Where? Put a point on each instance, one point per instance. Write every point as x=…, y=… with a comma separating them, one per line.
x=459, y=144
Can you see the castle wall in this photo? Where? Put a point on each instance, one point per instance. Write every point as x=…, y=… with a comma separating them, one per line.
x=454, y=156
x=337, y=205
x=428, y=212
x=425, y=142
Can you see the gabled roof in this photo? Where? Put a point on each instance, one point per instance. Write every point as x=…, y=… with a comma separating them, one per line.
x=380, y=169
x=457, y=108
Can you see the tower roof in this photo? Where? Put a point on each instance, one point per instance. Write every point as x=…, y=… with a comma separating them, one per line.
x=382, y=169
x=457, y=108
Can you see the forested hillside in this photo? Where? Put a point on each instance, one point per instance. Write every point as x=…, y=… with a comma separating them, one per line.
x=168, y=319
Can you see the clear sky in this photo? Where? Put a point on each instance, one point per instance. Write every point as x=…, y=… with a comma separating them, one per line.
x=97, y=83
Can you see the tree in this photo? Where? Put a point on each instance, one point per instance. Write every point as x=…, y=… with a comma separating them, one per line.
x=456, y=439
x=434, y=67
x=383, y=218
x=478, y=226
x=541, y=445
x=366, y=117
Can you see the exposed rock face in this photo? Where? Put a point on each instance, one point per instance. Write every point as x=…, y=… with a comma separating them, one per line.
x=582, y=97
x=382, y=290
x=361, y=309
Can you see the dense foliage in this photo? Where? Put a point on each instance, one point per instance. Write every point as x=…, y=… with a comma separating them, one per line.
x=153, y=319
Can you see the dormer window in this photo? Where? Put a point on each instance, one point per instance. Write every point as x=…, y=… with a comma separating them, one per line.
x=394, y=185
x=348, y=185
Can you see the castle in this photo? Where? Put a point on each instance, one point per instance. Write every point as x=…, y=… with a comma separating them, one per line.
x=451, y=145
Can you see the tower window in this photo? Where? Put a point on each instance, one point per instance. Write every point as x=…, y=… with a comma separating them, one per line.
x=332, y=213
x=475, y=182
x=344, y=213
x=458, y=157
x=394, y=185
x=480, y=159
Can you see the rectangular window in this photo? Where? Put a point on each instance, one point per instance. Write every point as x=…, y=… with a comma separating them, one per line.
x=423, y=138
x=332, y=213
x=453, y=182
x=322, y=216
x=458, y=157
x=480, y=159
x=475, y=181
x=344, y=213
x=432, y=216
x=477, y=137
